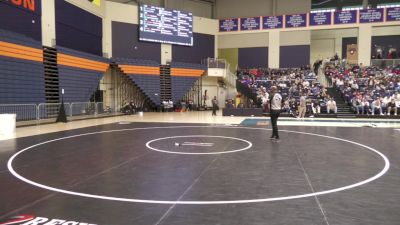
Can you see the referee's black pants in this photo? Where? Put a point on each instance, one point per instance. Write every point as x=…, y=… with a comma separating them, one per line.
x=274, y=122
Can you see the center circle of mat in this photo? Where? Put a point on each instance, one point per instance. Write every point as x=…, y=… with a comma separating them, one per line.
x=148, y=145
x=178, y=202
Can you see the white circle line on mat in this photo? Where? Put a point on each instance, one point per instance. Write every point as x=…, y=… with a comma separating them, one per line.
x=249, y=145
x=241, y=201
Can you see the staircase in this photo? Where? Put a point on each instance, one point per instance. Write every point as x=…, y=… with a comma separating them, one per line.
x=344, y=110
x=165, y=83
x=51, y=75
x=246, y=91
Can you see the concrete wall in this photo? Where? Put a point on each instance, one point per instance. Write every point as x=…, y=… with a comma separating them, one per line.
x=290, y=38
x=240, y=8
x=292, y=7
x=243, y=40
x=325, y=43
x=201, y=9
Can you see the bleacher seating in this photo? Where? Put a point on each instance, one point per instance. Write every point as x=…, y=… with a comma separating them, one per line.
x=183, y=77
x=144, y=73
x=79, y=76
x=21, y=69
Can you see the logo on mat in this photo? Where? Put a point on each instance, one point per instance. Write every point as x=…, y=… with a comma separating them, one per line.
x=32, y=220
x=17, y=219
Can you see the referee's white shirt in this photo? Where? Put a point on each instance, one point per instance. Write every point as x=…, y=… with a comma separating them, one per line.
x=276, y=102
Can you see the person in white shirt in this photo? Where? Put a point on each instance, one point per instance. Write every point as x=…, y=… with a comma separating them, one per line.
x=275, y=102
x=376, y=104
x=386, y=100
x=397, y=102
x=331, y=105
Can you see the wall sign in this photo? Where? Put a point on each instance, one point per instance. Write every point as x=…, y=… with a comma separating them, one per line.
x=393, y=14
x=251, y=23
x=371, y=15
x=272, y=22
x=345, y=17
x=229, y=25
x=296, y=20
x=322, y=18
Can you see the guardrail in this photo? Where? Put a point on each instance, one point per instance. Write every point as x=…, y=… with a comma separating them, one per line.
x=382, y=63
x=26, y=112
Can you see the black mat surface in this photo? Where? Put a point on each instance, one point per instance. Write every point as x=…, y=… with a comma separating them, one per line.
x=196, y=174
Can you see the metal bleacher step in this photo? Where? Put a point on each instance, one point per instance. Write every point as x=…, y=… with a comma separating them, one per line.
x=51, y=75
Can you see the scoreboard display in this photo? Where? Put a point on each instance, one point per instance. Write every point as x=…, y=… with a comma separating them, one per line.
x=165, y=26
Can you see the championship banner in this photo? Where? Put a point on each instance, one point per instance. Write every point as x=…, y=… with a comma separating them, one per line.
x=296, y=20
x=371, y=15
x=272, y=22
x=228, y=25
x=393, y=14
x=345, y=17
x=321, y=18
x=252, y=23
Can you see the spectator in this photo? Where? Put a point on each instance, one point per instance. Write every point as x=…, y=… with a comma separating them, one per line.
x=302, y=106
x=392, y=106
x=331, y=105
x=376, y=104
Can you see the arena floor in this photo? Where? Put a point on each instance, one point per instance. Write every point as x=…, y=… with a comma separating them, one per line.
x=223, y=171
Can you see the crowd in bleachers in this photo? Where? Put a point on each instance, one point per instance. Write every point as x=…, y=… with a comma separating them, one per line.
x=301, y=92
x=369, y=90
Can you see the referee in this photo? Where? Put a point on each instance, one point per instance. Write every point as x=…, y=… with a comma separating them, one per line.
x=275, y=102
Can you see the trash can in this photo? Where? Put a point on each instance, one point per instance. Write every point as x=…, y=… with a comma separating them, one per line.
x=7, y=123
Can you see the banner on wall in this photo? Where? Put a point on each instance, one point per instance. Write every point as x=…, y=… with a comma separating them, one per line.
x=371, y=15
x=272, y=22
x=296, y=20
x=228, y=25
x=33, y=6
x=352, y=53
x=251, y=23
x=393, y=14
x=345, y=17
x=321, y=18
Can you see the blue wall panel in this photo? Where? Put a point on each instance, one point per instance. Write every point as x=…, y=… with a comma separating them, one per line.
x=149, y=84
x=78, y=84
x=253, y=57
x=203, y=47
x=19, y=20
x=78, y=29
x=21, y=81
x=180, y=86
x=294, y=56
x=126, y=44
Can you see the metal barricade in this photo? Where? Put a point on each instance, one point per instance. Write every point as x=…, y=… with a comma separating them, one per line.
x=24, y=112
x=82, y=108
x=51, y=110
x=103, y=109
x=382, y=63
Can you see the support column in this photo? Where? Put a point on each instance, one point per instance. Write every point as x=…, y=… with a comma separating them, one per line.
x=365, y=4
x=274, y=7
x=48, y=23
x=166, y=53
x=273, y=49
x=364, y=44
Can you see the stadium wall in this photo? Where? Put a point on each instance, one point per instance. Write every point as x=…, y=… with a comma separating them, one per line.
x=22, y=20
